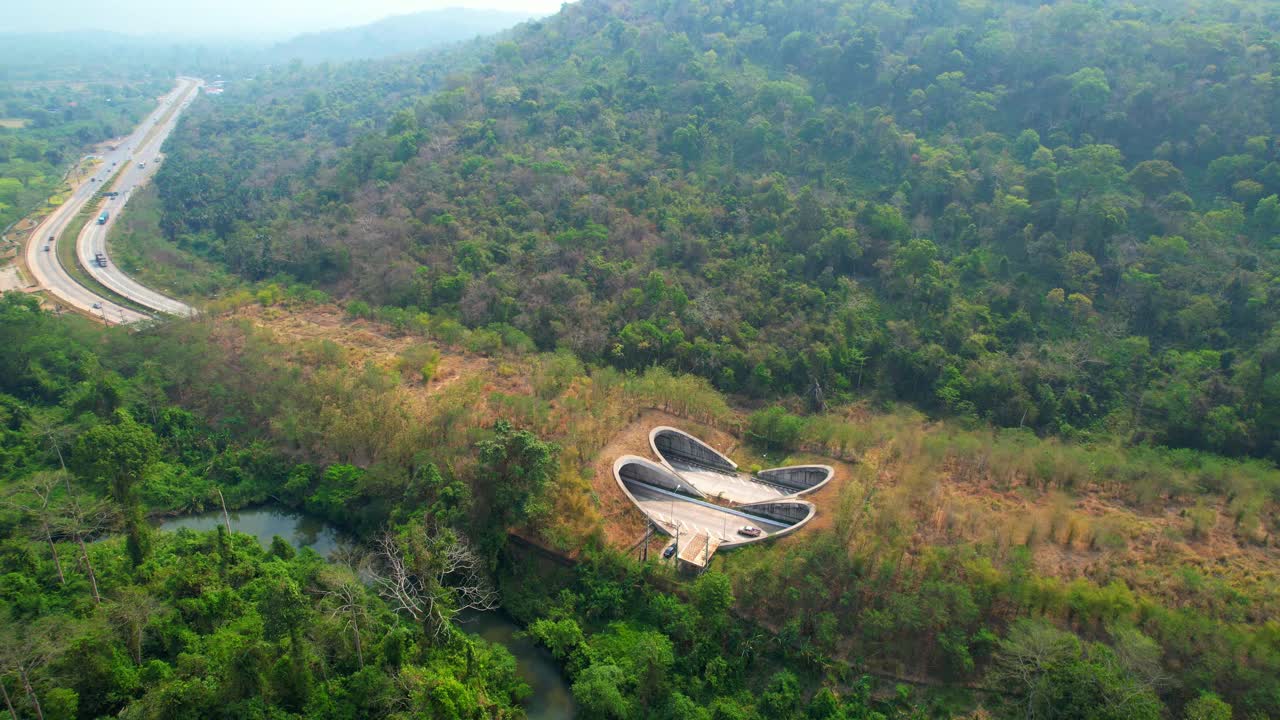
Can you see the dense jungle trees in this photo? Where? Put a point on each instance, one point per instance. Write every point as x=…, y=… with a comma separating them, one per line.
x=1058, y=218
x=1055, y=225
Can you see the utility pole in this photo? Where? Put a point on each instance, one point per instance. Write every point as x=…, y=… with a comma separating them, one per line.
x=674, y=521
x=677, y=555
x=648, y=533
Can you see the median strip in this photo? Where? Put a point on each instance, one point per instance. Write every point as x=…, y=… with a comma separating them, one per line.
x=70, y=259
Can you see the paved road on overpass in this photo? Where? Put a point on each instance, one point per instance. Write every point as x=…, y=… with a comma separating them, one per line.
x=672, y=510
x=42, y=257
x=737, y=488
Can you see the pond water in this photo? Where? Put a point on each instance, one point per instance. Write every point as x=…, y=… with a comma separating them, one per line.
x=265, y=523
x=550, y=700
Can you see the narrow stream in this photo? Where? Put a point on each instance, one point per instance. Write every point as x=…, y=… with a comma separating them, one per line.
x=550, y=700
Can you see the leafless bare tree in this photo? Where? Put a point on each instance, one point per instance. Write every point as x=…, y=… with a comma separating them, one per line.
x=24, y=649
x=35, y=498
x=132, y=609
x=431, y=576
x=80, y=520
x=348, y=607
x=396, y=581
x=8, y=702
x=1030, y=648
x=54, y=433
x=467, y=572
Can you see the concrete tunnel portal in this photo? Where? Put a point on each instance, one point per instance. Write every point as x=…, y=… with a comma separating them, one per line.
x=714, y=475
x=678, y=508
x=679, y=446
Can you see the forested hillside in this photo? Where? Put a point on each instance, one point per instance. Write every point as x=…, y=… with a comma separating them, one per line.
x=395, y=35
x=40, y=58
x=1057, y=217
x=1008, y=268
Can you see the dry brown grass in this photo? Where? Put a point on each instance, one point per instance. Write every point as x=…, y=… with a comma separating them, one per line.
x=364, y=341
x=917, y=497
x=1090, y=533
x=465, y=395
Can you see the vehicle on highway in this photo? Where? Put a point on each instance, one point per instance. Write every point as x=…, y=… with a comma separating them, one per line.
x=47, y=248
x=141, y=165
x=671, y=550
x=104, y=217
x=51, y=238
x=97, y=306
x=100, y=260
x=750, y=531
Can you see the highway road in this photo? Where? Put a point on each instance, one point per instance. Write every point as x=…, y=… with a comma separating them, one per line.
x=735, y=488
x=143, y=148
x=692, y=516
x=42, y=257
x=47, y=271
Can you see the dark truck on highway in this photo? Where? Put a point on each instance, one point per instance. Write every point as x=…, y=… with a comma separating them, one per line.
x=100, y=259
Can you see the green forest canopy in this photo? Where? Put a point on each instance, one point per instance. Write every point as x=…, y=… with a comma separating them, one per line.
x=1060, y=217
x=178, y=417
x=1057, y=217
x=46, y=127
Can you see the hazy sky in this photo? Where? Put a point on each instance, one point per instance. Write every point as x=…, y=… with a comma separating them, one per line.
x=226, y=17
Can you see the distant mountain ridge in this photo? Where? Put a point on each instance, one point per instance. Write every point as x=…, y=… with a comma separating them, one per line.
x=397, y=35
x=85, y=56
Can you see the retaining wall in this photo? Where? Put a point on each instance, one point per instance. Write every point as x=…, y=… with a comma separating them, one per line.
x=670, y=443
x=801, y=478
x=637, y=469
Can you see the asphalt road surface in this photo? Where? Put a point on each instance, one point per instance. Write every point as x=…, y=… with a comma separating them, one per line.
x=735, y=488
x=42, y=262
x=140, y=163
x=42, y=257
x=671, y=510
